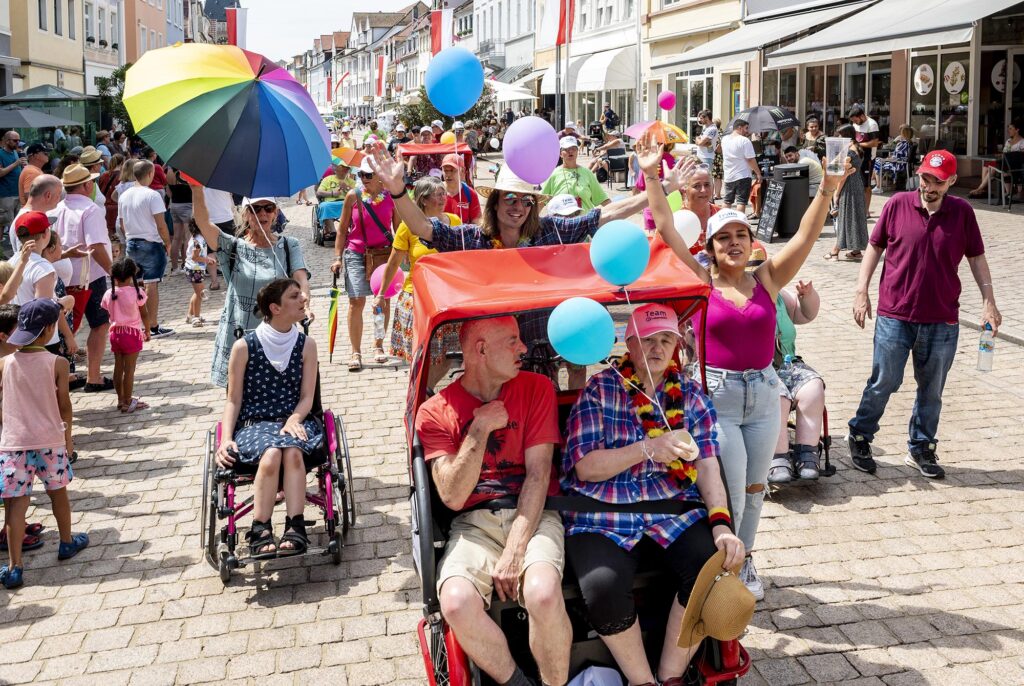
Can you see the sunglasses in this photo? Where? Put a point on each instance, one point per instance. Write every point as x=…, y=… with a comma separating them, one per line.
x=264, y=208
x=366, y=175
x=526, y=201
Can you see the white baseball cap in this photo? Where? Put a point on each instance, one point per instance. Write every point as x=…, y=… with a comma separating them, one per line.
x=246, y=202
x=400, y=127
x=568, y=142
x=563, y=205
x=570, y=125
x=334, y=139
x=458, y=125
x=346, y=129
x=364, y=166
x=437, y=123
x=722, y=218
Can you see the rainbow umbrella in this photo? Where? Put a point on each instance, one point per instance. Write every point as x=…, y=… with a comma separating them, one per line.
x=663, y=132
x=232, y=119
x=332, y=318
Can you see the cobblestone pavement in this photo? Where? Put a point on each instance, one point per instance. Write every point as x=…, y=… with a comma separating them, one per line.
x=871, y=579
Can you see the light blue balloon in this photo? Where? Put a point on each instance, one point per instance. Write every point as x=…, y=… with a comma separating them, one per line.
x=581, y=331
x=454, y=81
x=620, y=252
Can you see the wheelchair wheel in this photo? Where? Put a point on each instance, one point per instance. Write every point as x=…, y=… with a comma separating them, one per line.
x=208, y=518
x=318, y=232
x=343, y=493
x=224, y=566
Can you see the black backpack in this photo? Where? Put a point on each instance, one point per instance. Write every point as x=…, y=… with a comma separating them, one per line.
x=611, y=120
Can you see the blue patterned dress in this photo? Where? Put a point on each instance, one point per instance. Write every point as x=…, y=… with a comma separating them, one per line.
x=268, y=399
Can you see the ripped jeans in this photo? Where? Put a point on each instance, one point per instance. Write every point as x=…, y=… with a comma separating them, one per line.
x=747, y=406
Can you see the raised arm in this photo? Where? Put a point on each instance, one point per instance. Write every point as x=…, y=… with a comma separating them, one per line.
x=663, y=213
x=779, y=270
x=201, y=215
x=392, y=174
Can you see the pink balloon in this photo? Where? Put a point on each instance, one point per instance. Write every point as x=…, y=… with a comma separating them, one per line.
x=666, y=100
x=396, y=283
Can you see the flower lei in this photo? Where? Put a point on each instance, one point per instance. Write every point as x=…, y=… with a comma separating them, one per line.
x=373, y=200
x=685, y=473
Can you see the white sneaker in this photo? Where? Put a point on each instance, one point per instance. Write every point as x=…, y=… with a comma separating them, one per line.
x=748, y=575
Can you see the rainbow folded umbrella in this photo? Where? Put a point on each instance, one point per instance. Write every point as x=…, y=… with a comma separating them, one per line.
x=230, y=118
x=663, y=132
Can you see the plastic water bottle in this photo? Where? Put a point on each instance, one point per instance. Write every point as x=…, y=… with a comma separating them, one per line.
x=986, y=349
x=787, y=363
x=378, y=323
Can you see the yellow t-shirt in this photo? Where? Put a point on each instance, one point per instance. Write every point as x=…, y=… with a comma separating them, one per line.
x=333, y=183
x=409, y=242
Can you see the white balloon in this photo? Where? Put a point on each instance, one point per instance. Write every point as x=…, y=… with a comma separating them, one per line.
x=495, y=143
x=688, y=225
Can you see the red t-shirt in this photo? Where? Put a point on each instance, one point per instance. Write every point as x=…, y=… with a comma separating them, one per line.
x=529, y=398
x=465, y=205
x=159, y=178
x=919, y=280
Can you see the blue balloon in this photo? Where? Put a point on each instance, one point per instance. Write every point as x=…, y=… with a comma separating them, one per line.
x=581, y=331
x=454, y=81
x=620, y=252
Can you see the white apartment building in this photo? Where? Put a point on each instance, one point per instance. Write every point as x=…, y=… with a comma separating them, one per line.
x=104, y=48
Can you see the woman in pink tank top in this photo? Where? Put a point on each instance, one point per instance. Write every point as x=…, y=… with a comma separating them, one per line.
x=740, y=343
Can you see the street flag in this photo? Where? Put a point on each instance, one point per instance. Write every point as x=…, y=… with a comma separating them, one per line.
x=237, y=22
x=382, y=65
x=556, y=23
x=440, y=30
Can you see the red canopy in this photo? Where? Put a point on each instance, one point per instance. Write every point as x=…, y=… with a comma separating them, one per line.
x=409, y=149
x=457, y=286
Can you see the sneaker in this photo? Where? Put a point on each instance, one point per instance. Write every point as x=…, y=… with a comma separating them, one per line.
x=877, y=190
x=11, y=577
x=860, y=453
x=925, y=461
x=188, y=319
x=750, y=579
x=159, y=332
x=79, y=542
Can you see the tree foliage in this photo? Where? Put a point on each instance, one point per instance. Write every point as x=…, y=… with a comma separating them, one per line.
x=423, y=113
x=111, y=90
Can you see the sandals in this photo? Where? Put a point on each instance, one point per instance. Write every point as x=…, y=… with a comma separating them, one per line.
x=379, y=357
x=262, y=545
x=806, y=459
x=135, y=404
x=781, y=471
x=32, y=541
x=295, y=536
x=355, y=363
x=854, y=255
x=831, y=255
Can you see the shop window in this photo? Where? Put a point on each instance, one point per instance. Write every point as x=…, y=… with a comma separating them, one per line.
x=682, y=91
x=42, y=13
x=696, y=97
x=787, y=89
x=814, y=93
x=880, y=89
x=833, y=94
x=770, y=87
x=953, y=101
x=855, y=93
x=923, y=111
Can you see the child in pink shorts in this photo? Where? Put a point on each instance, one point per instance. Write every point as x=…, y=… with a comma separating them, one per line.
x=36, y=438
x=125, y=300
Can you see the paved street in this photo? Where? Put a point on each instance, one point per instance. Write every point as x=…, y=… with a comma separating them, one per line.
x=871, y=579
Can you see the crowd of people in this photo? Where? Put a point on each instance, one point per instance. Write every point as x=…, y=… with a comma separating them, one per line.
x=642, y=429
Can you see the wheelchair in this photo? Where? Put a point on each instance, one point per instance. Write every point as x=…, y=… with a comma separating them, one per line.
x=334, y=497
x=320, y=234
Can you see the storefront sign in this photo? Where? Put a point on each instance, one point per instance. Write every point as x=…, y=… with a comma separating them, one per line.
x=924, y=79
x=955, y=78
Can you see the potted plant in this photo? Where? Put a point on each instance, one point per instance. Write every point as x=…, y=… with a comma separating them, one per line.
x=113, y=46
x=90, y=39
x=103, y=43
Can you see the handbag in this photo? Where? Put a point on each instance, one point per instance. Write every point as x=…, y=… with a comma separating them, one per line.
x=375, y=257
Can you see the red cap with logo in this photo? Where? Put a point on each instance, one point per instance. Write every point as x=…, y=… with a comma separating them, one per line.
x=938, y=163
x=35, y=223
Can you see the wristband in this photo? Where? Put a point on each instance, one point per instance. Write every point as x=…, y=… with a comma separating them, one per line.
x=720, y=516
x=396, y=196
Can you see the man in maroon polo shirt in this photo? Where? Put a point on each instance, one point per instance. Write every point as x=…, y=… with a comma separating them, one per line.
x=924, y=234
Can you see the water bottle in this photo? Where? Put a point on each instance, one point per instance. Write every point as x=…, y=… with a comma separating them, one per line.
x=986, y=349
x=378, y=322
x=787, y=363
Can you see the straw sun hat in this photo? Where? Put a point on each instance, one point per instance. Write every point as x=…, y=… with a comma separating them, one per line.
x=720, y=605
x=508, y=182
x=76, y=175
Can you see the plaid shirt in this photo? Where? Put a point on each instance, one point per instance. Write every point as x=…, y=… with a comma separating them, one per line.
x=553, y=231
x=603, y=419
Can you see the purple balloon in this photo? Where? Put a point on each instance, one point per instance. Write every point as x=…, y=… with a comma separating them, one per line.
x=531, y=149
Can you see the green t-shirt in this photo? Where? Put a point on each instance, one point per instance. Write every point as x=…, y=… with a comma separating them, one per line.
x=785, y=328
x=333, y=183
x=579, y=183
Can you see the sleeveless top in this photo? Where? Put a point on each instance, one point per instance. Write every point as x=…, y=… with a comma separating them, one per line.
x=268, y=394
x=31, y=415
x=366, y=233
x=741, y=338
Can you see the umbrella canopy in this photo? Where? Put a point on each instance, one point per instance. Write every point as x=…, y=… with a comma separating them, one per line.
x=762, y=118
x=231, y=118
x=663, y=131
x=352, y=158
x=23, y=118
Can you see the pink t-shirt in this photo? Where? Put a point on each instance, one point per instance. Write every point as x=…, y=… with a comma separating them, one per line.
x=124, y=310
x=365, y=231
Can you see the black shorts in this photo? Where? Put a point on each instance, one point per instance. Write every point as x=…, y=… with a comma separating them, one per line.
x=94, y=314
x=867, y=165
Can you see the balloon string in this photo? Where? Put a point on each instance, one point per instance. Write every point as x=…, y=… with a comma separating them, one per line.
x=458, y=191
x=654, y=400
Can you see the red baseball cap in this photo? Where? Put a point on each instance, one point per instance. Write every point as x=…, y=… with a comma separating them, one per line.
x=938, y=163
x=34, y=222
x=452, y=160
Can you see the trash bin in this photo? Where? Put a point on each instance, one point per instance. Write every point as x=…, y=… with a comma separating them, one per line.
x=795, y=200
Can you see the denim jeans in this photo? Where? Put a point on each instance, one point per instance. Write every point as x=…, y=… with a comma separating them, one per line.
x=747, y=406
x=932, y=347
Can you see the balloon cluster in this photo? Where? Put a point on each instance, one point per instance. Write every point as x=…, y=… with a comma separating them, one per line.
x=580, y=329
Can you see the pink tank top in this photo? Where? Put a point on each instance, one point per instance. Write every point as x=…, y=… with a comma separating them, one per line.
x=365, y=230
x=741, y=338
x=31, y=416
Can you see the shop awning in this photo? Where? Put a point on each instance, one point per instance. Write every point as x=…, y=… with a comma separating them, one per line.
x=892, y=25
x=511, y=74
x=547, y=84
x=743, y=43
x=608, y=70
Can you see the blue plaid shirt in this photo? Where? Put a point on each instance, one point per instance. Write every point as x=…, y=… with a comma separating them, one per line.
x=553, y=231
x=603, y=419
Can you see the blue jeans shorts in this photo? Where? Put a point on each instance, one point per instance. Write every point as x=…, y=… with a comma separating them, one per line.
x=151, y=258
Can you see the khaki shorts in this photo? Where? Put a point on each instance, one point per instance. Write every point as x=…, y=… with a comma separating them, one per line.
x=478, y=539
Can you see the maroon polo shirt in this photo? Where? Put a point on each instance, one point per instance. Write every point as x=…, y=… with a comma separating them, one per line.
x=919, y=281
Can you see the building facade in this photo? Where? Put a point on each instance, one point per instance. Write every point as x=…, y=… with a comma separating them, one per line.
x=197, y=25
x=145, y=27
x=175, y=23
x=47, y=38
x=9, y=65
x=104, y=47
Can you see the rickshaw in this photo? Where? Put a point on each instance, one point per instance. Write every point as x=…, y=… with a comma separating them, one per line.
x=440, y=149
x=460, y=286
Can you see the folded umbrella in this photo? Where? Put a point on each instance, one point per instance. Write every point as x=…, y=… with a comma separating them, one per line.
x=332, y=318
x=766, y=118
x=231, y=118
